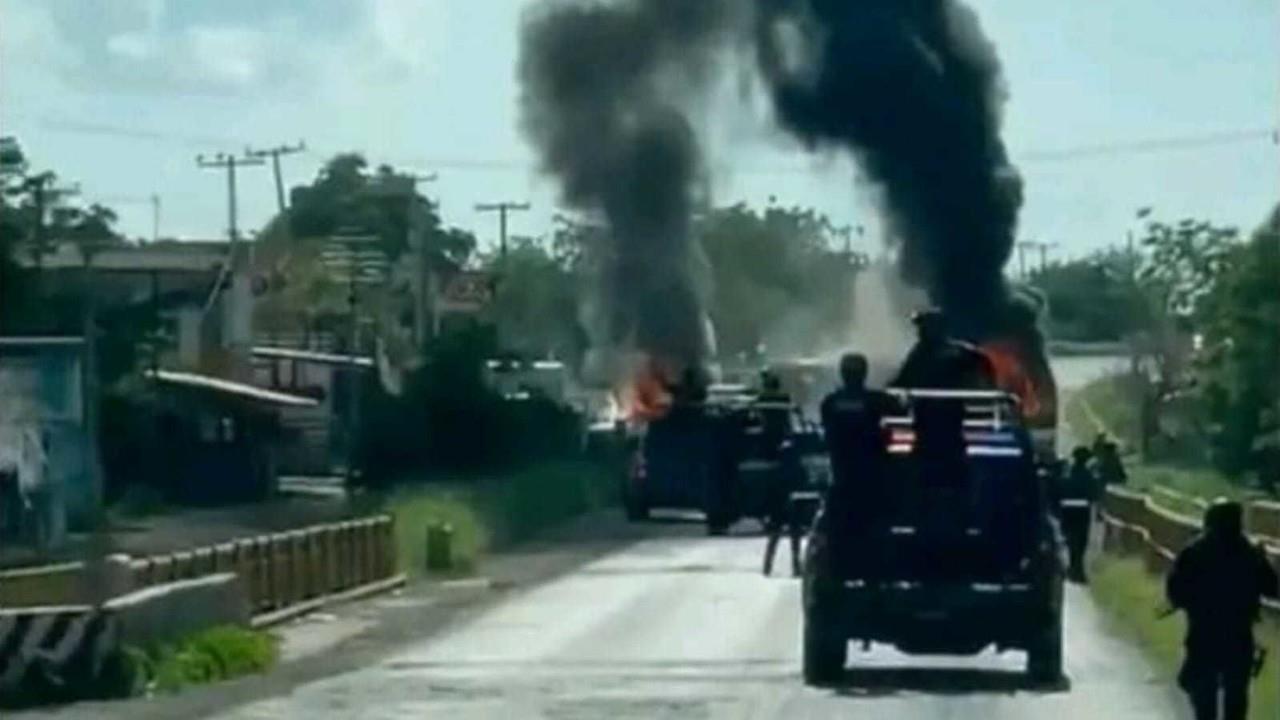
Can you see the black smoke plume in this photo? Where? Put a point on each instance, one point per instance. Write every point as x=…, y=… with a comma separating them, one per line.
x=606, y=91
x=914, y=90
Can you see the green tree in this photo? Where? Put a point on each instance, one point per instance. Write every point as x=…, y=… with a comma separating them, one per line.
x=1239, y=369
x=780, y=277
x=345, y=196
x=535, y=306
x=1090, y=299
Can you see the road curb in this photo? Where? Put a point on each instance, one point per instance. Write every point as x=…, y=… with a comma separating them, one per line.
x=277, y=617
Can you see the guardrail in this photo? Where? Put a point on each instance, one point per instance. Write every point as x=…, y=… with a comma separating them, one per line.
x=278, y=570
x=1137, y=525
x=287, y=568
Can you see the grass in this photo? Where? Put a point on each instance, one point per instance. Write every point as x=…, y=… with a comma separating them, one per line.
x=210, y=656
x=1132, y=597
x=495, y=511
x=1100, y=406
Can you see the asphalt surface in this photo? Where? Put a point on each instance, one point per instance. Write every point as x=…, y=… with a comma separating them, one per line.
x=681, y=626
x=676, y=625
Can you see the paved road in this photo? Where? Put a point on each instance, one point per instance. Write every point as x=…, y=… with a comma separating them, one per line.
x=681, y=626
x=677, y=625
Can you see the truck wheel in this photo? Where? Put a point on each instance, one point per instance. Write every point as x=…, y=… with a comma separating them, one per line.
x=1044, y=656
x=824, y=653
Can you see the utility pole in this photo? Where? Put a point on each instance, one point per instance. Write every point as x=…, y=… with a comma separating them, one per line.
x=224, y=161
x=237, y=323
x=274, y=153
x=1045, y=247
x=1023, y=246
x=502, y=208
x=44, y=194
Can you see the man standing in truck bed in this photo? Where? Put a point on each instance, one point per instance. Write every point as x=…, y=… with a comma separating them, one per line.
x=851, y=425
x=940, y=361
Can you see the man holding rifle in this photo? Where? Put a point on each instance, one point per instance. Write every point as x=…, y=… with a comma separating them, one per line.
x=1219, y=581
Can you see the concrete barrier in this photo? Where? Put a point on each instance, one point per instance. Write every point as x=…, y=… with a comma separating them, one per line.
x=47, y=585
x=165, y=613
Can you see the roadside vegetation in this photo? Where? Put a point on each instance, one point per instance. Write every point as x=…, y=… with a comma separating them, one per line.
x=494, y=511
x=210, y=656
x=1133, y=599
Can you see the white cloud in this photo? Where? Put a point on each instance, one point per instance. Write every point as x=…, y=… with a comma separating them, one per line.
x=229, y=57
x=131, y=45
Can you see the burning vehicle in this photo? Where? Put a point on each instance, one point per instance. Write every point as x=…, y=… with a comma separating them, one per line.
x=705, y=447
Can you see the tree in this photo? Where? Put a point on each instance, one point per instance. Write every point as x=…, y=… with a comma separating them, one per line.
x=535, y=306
x=1089, y=300
x=1181, y=266
x=345, y=197
x=1239, y=370
x=780, y=279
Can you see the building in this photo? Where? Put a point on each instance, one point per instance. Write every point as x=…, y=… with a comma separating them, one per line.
x=46, y=479
x=320, y=434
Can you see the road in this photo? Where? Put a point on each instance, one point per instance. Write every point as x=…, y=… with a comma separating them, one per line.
x=681, y=626
x=677, y=625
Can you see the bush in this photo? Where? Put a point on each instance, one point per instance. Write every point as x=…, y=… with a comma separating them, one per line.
x=211, y=656
x=496, y=510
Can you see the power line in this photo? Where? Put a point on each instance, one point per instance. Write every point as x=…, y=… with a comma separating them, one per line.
x=1171, y=143
x=274, y=153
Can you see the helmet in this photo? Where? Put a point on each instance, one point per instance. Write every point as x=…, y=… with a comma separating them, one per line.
x=1224, y=518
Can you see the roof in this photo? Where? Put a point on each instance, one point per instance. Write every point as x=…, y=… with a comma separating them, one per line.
x=194, y=256
x=230, y=387
x=280, y=353
x=39, y=340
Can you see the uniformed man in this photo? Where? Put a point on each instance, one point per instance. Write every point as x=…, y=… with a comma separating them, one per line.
x=1077, y=494
x=1219, y=582
x=851, y=425
x=773, y=410
x=940, y=361
x=1110, y=467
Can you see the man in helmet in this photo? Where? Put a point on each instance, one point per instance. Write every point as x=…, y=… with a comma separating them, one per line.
x=851, y=425
x=1219, y=582
x=940, y=361
x=1078, y=491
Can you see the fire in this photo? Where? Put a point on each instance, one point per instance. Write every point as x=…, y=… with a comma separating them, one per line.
x=647, y=393
x=1012, y=376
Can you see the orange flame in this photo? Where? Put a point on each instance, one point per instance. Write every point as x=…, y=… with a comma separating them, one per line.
x=1012, y=376
x=646, y=395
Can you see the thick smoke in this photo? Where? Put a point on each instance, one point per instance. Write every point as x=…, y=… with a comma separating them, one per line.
x=913, y=88
x=605, y=92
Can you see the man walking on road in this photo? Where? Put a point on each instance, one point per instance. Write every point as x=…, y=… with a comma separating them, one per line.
x=1077, y=495
x=1219, y=581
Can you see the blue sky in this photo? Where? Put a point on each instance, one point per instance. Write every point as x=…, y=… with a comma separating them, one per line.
x=120, y=95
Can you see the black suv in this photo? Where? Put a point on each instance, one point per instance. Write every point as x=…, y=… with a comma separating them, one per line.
x=947, y=548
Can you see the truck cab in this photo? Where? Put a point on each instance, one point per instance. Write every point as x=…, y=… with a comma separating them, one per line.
x=945, y=546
